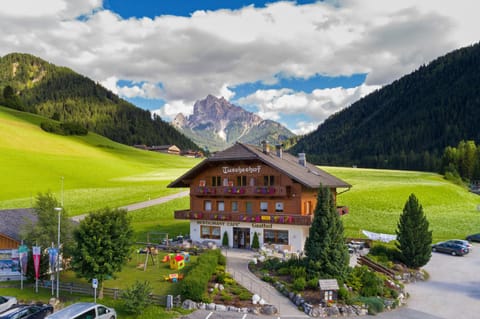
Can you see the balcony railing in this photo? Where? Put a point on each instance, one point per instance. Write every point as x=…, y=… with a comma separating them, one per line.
x=276, y=191
x=291, y=219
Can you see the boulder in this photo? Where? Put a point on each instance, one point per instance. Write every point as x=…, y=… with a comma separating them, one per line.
x=269, y=310
x=220, y=308
x=255, y=299
x=189, y=304
x=210, y=306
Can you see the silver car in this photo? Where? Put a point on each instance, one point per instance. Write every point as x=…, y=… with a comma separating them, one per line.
x=7, y=302
x=84, y=310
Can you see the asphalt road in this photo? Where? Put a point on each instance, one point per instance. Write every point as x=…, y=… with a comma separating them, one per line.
x=452, y=292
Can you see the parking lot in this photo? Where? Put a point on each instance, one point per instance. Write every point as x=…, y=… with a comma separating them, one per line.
x=453, y=291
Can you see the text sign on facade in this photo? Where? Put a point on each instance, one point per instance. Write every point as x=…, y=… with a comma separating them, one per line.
x=242, y=169
x=262, y=225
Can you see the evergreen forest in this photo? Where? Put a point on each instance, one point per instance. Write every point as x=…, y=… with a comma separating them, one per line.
x=31, y=84
x=408, y=123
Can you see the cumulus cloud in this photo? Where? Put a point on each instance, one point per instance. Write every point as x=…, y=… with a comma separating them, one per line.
x=317, y=106
x=180, y=59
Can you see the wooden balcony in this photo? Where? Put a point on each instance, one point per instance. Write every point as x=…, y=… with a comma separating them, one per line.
x=290, y=219
x=238, y=191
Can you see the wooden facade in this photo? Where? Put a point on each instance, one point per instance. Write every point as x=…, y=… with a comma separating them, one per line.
x=245, y=190
x=8, y=243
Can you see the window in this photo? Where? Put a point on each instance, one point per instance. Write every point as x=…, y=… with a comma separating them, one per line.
x=252, y=181
x=221, y=206
x=216, y=181
x=87, y=315
x=273, y=236
x=234, y=206
x=249, y=207
x=202, y=183
x=210, y=232
x=225, y=182
x=308, y=208
x=208, y=205
x=279, y=207
x=241, y=180
x=268, y=180
x=264, y=207
x=101, y=310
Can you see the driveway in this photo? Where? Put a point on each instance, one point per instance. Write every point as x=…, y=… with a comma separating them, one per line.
x=453, y=291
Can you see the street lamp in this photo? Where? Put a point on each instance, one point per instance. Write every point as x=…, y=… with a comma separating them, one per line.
x=58, y=210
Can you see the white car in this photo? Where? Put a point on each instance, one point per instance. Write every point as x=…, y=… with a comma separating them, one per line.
x=7, y=302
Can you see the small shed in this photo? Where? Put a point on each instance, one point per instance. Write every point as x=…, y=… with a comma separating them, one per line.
x=328, y=290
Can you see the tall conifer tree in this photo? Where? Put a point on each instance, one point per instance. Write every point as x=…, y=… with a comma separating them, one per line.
x=414, y=240
x=325, y=246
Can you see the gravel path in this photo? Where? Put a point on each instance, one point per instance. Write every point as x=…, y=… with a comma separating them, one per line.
x=145, y=204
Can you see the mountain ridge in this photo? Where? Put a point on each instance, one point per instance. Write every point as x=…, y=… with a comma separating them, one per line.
x=59, y=93
x=217, y=123
x=408, y=123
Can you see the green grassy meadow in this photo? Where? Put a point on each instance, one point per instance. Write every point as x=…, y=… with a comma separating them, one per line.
x=96, y=171
x=377, y=198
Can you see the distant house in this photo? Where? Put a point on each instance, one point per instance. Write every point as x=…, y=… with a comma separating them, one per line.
x=169, y=149
x=11, y=222
x=193, y=154
x=141, y=146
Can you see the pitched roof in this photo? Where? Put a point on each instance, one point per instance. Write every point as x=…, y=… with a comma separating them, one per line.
x=308, y=175
x=12, y=220
x=328, y=284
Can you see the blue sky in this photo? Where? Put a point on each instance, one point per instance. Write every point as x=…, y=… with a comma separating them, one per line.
x=293, y=62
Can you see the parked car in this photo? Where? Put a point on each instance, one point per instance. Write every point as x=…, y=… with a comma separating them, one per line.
x=83, y=310
x=473, y=237
x=461, y=242
x=7, y=302
x=450, y=248
x=27, y=312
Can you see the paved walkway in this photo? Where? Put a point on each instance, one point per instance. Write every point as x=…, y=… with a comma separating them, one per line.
x=145, y=204
x=237, y=266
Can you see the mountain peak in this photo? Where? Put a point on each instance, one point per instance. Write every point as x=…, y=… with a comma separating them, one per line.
x=217, y=124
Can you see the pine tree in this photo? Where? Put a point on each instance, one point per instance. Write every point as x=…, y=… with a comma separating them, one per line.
x=414, y=238
x=225, y=239
x=255, y=241
x=325, y=246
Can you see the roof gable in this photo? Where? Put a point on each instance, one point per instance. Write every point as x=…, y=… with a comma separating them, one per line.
x=308, y=175
x=12, y=221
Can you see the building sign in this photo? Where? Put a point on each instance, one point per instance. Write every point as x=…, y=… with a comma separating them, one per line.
x=9, y=263
x=242, y=169
x=255, y=225
x=217, y=223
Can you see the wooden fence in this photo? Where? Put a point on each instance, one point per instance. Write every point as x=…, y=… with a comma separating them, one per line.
x=74, y=288
x=362, y=260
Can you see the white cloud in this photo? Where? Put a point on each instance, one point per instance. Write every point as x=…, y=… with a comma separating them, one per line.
x=210, y=51
x=172, y=108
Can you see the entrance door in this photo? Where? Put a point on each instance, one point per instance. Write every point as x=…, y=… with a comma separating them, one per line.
x=241, y=237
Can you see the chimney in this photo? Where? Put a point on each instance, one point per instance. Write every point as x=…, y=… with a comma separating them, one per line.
x=266, y=148
x=302, y=159
x=279, y=148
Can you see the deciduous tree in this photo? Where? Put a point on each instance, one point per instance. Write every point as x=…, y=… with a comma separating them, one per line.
x=103, y=242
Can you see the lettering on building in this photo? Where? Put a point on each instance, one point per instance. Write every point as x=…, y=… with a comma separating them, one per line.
x=262, y=225
x=242, y=169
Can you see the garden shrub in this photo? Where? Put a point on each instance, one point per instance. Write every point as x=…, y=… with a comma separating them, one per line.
x=312, y=283
x=267, y=278
x=298, y=272
x=245, y=295
x=225, y=239
x=365, y=282
x=255, y=241
x=284, y=271
x=299, y=284
x=221, y=278
x=272, y=264
x=375, y=304
x=137, y=297
x=383, y=253
x=196, y=282
x=225, y=296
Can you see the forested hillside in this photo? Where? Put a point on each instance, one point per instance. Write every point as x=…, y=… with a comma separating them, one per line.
x=407, y=124
x=31, y=84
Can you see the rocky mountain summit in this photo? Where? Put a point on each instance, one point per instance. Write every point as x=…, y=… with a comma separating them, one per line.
x=217, y=124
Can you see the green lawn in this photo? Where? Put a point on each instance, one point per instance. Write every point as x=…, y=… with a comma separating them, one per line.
x=377, y=198
x=96, y=172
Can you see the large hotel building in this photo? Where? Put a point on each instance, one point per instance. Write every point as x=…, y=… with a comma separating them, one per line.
x=245, y=190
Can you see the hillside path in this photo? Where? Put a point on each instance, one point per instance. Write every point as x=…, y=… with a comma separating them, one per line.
x=144, y=204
